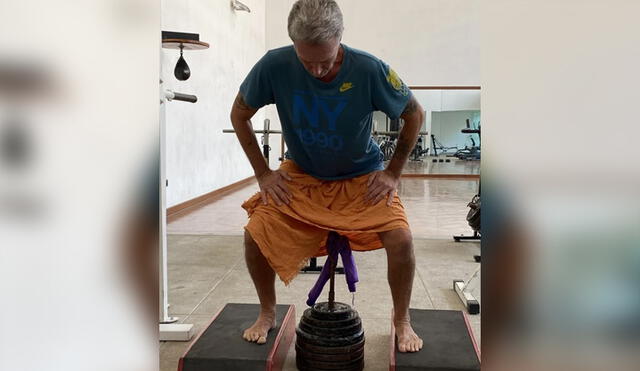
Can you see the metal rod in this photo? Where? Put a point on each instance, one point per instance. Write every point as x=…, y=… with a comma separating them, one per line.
x=265, y=140
x=394, y=132
x=332, y=270
x=282, y=148
x=255, y=131
x=332, y=293
x=170, y=95
x=185, y=97
x=280, y=132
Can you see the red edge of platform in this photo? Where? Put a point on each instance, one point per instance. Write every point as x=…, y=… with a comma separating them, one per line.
x=473, y=338
x=181, y=361
x=392, y=351
x=285, y=336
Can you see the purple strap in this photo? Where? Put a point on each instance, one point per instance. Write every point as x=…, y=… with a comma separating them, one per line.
x=336, y=244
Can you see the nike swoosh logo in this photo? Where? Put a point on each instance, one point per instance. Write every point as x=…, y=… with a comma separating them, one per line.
x=346, y=86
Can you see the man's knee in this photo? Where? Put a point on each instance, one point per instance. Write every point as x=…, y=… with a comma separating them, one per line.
x=398, y=242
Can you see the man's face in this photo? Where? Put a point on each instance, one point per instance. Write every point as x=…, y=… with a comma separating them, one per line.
x=317, y=58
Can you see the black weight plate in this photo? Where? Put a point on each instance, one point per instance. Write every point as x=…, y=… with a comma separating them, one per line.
x=345, y=357
x=330, y=350
x=321, y=311
x=329, y=342
x=331, y=332
x=310, y=320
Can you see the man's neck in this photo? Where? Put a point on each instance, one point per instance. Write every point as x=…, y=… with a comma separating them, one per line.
x=336, y=67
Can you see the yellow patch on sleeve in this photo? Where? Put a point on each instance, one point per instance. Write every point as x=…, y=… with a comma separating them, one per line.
x=395, y=81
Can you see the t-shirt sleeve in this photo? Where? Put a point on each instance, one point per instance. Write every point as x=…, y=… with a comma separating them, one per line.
x=256, y=88
x=389, y=94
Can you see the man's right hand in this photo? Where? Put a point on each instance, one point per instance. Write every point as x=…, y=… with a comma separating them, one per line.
x=273, y=183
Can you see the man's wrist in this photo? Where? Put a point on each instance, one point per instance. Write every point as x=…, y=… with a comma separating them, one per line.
x=261, y=172
x=260, y=167
x=393, y=172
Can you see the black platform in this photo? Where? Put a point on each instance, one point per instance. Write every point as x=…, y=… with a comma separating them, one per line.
x=448, y=343
x=221, y=347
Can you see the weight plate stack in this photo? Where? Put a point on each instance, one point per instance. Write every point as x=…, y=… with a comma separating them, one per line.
x=473, y=216
x=330, y=339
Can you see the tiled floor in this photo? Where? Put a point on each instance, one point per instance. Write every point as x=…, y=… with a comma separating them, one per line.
x=455, y=166
x=207, y=269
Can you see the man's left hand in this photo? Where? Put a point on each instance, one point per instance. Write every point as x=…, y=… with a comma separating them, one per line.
x=381, y=184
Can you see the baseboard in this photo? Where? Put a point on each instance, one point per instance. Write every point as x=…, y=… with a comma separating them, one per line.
x=182, y=208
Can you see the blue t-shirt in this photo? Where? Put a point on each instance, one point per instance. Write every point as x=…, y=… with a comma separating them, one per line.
x=327, y=126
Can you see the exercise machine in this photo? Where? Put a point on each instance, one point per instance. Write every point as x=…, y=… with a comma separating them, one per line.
x=473, y=152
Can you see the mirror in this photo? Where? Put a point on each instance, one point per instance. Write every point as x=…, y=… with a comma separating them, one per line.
x=449, y=140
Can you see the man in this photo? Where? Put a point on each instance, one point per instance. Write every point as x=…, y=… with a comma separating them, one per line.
x=325, y=93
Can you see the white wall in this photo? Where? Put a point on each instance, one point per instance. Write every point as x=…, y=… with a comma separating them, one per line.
x=428, y=42
x=200, y=158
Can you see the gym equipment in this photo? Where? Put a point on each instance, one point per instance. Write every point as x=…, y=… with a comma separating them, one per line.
x=265, y=139
x=330, y=339
x=476, y=237
x=220, y=345
x=313, y=267
x=169, y=330
x=436, y=145
x=393, y=133
x=387, y=142
x=330, y=334
x=388, y=148
x=460, y=287
x=473, y=152
x=182, y=40
x=418, y=150
x=463, y=289
x=473, y=218
x=448, y=343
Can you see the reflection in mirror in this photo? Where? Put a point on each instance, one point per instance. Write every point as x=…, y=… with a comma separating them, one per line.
x=449, y=140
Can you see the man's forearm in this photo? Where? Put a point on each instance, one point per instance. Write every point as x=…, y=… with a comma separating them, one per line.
x=249, y=143
x=241, y=115
x=413, y=117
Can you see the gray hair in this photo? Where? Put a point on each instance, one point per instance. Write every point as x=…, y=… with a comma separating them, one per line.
x=315, y=21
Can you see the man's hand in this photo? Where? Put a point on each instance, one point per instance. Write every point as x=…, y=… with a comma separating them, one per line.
x=381, y=184
x=273, y=183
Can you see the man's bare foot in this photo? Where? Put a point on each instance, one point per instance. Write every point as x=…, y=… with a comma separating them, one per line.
x=257, y=333
x=408, y=341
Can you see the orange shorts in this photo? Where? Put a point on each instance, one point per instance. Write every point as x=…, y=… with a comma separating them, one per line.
x=288, y=235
